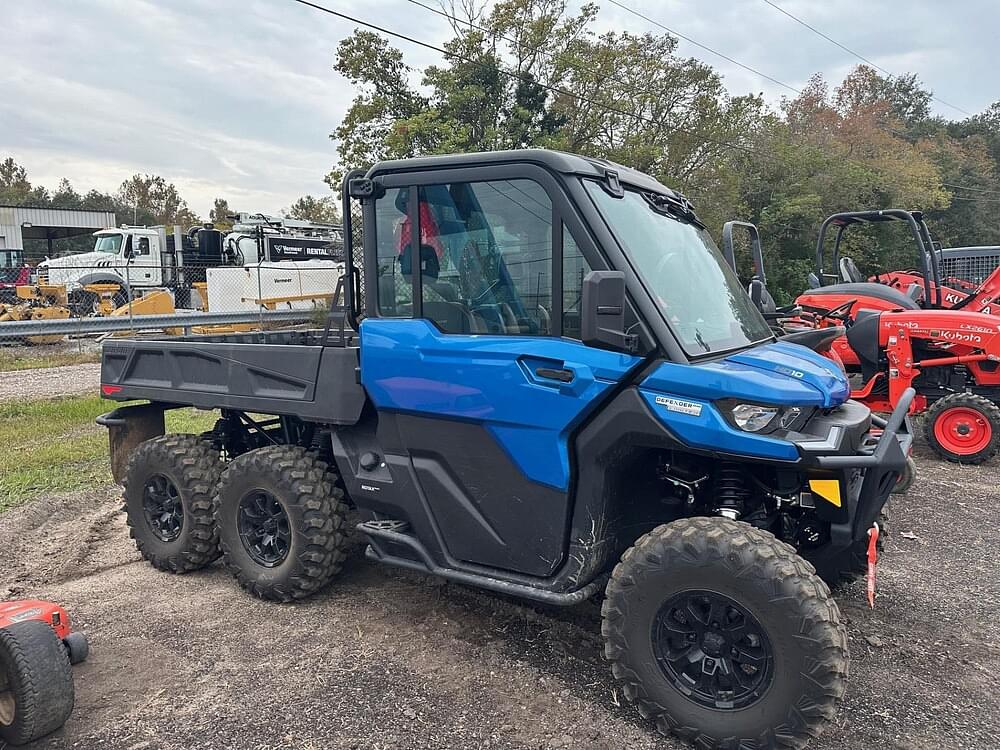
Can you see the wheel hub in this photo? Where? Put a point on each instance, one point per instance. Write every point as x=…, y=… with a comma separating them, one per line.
x=8, y=707
x=713, y=643
x=162, y=507
x=712, y=649
x=264, y=529
x=963, y=430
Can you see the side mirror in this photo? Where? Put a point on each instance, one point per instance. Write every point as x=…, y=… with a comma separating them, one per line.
x=756, y=291
x=602, y=312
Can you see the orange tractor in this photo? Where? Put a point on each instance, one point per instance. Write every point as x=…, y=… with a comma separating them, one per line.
x=894, y=341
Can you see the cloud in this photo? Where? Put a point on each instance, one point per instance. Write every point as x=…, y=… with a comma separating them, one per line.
x=237, y=98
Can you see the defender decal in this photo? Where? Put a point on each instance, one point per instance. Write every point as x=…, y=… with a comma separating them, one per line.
x=691, y=408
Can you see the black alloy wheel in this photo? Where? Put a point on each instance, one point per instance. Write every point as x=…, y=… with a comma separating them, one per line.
x=712, y=650
x=161, y=504
x=264, y=528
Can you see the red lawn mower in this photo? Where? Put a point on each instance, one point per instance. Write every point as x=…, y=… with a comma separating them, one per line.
x=37, y=648
x=950, y=357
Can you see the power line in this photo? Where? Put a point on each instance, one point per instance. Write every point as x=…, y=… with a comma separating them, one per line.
x=774, y=80
x=703, y=46
x=851, y=52
x=534, y=50
x=974, y=199
x=514, y=75
x=969, y=187
x=556, y=89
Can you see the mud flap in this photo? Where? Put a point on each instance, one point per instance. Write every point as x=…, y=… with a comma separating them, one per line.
x=127, y=427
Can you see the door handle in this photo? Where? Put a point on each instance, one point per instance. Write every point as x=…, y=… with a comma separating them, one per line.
x=563, y=376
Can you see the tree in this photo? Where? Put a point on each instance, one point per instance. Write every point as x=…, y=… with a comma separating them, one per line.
x=15, y=190
x=309, y=208
x=150, y=199
x=220, y=213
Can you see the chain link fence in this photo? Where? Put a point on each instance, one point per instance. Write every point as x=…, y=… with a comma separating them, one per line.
x=66, y=304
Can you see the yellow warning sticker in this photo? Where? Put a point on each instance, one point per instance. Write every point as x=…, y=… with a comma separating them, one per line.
x=828, y=489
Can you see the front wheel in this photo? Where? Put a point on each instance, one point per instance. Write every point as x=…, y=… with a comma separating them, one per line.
x=964, y=428
x=724, y=636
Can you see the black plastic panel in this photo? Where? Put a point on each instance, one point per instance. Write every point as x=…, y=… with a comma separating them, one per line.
x=488, y=512
x=315, y=383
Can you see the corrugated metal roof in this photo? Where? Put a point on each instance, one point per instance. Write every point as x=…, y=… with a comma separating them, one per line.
x=56, y=217
x=41, y=222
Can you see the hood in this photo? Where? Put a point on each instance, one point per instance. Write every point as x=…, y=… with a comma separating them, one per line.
x=82, y=260
x=775, y=373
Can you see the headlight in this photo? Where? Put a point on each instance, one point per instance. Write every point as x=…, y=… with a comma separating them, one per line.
x=764, y=418
x=753, y=417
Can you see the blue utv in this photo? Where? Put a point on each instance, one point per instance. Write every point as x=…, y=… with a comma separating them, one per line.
x=541, y=378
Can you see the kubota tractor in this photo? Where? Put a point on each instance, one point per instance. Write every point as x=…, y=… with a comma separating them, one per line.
x=951, y=358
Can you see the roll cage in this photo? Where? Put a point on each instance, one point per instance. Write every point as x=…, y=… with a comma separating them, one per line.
x=929, y=265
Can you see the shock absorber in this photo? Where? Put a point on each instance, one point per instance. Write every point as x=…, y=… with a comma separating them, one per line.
x=731, y=490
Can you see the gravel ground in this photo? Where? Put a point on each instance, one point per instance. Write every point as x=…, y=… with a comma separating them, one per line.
x=50, y=382
x=389, y=659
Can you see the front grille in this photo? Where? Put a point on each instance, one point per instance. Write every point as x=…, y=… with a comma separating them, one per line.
x=43, y=275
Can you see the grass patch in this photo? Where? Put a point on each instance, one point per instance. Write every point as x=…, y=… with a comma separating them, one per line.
x=54, y=446
x=32, y=359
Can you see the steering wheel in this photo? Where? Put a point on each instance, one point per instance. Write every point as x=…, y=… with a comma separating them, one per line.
x=840, y=312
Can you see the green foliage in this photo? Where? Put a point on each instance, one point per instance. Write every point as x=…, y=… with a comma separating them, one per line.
x=534, y=73
x=310, y=208
x=220, y=213
x=141, y=199
x=152, y=200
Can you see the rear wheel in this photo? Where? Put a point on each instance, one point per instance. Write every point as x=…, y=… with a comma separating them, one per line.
x=36, y=682
x=964, y=428
x=724, y=636
x=281, y=518
x=169, y=484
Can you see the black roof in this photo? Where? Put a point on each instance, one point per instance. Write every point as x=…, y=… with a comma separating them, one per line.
x=555, y=161
x=847, y=218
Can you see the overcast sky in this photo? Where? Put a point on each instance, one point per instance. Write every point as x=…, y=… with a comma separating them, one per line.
x=237, y=98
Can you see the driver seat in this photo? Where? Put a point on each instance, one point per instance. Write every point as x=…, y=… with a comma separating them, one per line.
x=863, y=338
x=849, y=271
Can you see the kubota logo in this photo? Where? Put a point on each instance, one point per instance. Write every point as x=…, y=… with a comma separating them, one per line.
x=969, y=338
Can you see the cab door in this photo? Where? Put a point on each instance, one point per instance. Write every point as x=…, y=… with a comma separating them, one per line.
x=471, y=355
x=144, y=263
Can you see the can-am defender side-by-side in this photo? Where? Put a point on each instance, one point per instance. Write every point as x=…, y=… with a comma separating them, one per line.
x=544, y=381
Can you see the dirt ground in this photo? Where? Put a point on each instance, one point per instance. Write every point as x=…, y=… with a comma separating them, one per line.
x=388, y=659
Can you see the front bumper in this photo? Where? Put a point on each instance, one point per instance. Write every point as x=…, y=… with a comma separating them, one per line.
x=869, y=474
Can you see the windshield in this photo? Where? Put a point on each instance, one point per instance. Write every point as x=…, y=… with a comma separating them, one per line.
x=696, y=290
x=108, y=243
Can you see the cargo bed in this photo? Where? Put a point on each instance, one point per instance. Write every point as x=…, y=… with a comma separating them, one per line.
x=292, y=373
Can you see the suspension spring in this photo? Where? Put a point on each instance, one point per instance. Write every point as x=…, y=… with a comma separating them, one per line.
x=731, y=490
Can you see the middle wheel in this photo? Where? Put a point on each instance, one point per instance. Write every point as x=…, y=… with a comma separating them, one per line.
x=281, y=520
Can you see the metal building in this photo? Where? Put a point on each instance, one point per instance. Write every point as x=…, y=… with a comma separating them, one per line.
x=20, y=223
